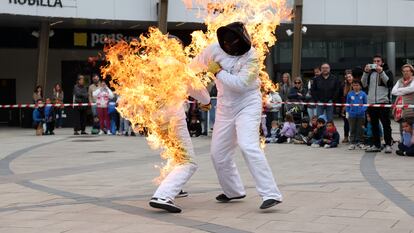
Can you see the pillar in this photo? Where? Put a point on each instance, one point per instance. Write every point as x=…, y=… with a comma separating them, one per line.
x=297, y=39
x=43, y=51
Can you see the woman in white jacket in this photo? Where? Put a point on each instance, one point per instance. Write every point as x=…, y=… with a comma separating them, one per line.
x=103, y=95
x=235, y=65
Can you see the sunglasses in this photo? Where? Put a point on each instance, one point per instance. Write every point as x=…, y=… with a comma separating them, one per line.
x=297, y=82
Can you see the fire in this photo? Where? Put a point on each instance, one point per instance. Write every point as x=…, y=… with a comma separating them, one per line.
x=151, y=77
x=261, y=17
x=151, y=74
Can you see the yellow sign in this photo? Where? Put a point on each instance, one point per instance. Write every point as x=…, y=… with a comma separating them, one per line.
x=80, y=39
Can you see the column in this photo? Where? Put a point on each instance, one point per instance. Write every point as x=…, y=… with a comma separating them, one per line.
x=297, y=39
x=162, y=15
x=391, y=57
x=43, y=50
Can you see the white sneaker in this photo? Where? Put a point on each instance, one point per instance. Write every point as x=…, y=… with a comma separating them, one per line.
x=315, y=145
x=289, y=140
x=351, y=147
x=164, y=204
x=109, y=133
x=101, y=132
x=388, y=149
x=327, y=146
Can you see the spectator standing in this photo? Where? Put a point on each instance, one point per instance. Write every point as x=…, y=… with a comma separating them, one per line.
x=102, y=95
x=347, y=88
x=325, y=89
x=284, y=87
x=272, y=110
x=356, y=114
x=37, y=94
x=404, y=90
x=80, y=96
x=311, y=109
x=58, y=99
x=297, y=93
x=379, y=79
x=93, y=87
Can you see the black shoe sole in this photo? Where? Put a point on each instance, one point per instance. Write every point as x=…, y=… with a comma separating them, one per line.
x=168, y=208
x=229, y=199
x=271, y=205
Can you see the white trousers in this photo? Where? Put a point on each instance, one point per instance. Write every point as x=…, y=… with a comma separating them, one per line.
x=241, y=128
x=178, y=177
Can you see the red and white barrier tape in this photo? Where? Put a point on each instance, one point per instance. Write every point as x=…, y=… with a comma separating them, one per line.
x=296, y=103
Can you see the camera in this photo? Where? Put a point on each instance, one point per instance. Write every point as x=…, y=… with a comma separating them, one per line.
x=372, y=66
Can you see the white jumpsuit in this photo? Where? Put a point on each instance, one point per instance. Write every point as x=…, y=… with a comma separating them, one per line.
x=179, y=176
x=238, y=117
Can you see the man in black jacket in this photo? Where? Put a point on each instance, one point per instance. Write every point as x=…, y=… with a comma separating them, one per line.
x=325, y=89
x=80, y=95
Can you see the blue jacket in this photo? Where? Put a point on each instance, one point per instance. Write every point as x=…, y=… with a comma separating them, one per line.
x=37, y=116
x=48, y=111
x=354, y=98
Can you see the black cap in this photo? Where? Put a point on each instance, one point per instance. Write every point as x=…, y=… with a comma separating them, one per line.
x=238, y=31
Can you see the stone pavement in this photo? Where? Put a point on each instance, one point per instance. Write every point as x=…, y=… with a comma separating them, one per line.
x=66, y=183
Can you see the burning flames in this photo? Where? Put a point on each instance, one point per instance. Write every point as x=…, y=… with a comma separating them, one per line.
x=151, y=74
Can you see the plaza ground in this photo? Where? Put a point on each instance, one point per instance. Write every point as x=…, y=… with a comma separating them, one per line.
x=67, y=183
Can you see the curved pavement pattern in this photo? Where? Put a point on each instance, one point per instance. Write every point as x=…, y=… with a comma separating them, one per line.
x=102, y=184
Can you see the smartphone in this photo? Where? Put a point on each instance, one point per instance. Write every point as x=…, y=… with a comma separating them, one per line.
x=372, y=66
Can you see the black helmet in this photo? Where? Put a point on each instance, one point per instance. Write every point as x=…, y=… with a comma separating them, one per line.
x=229, y=34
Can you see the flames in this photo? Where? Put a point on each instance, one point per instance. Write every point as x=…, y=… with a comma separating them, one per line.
x=151, y=74
x=261, y=18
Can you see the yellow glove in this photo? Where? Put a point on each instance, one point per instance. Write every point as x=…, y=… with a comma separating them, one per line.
x=214, y=67
x=205, y=107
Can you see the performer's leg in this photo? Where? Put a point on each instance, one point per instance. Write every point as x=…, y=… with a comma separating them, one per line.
x=247, y=124
x=223, y=148
x=176, y=179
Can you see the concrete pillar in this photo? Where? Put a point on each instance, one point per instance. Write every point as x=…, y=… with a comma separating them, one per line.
x=43, y=51
x=162, y=15
x=391, y=57
x=297, y=39
x=270, y=63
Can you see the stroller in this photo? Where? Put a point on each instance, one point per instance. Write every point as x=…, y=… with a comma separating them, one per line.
x=296, y=110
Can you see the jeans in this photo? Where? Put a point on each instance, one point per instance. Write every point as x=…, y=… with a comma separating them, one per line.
x=346, y=127
x=79, y=118
x=357, y=131
x=312, y=112
x=327, y=110
x=59, y=120
x=213, y=112
x=383, y=115
x=408, y=150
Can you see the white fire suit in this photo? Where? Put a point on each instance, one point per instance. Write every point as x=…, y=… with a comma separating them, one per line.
x=238, y=117
x=179, y=176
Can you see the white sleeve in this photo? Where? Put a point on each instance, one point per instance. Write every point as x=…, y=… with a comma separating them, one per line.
x=398, y=91
x=200, y=62
x=111, y=94
x=201, y=94
x=245, y=79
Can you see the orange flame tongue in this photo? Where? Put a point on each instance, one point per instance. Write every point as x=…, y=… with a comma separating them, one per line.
x=151, y=78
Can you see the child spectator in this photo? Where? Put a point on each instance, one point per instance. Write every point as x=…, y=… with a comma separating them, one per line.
x=103, y=94
x=38, y=117
x=288, y=131
x=356, y=114
x=330, y=138
x=274, y=132
x=95, y=126
x=317, y=133
x=406, y=148
x=304, y=132
x=314, y=122
x=49, y=117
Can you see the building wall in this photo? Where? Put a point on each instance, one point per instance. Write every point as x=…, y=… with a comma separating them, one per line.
x=393, y=13
x=21, y=64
